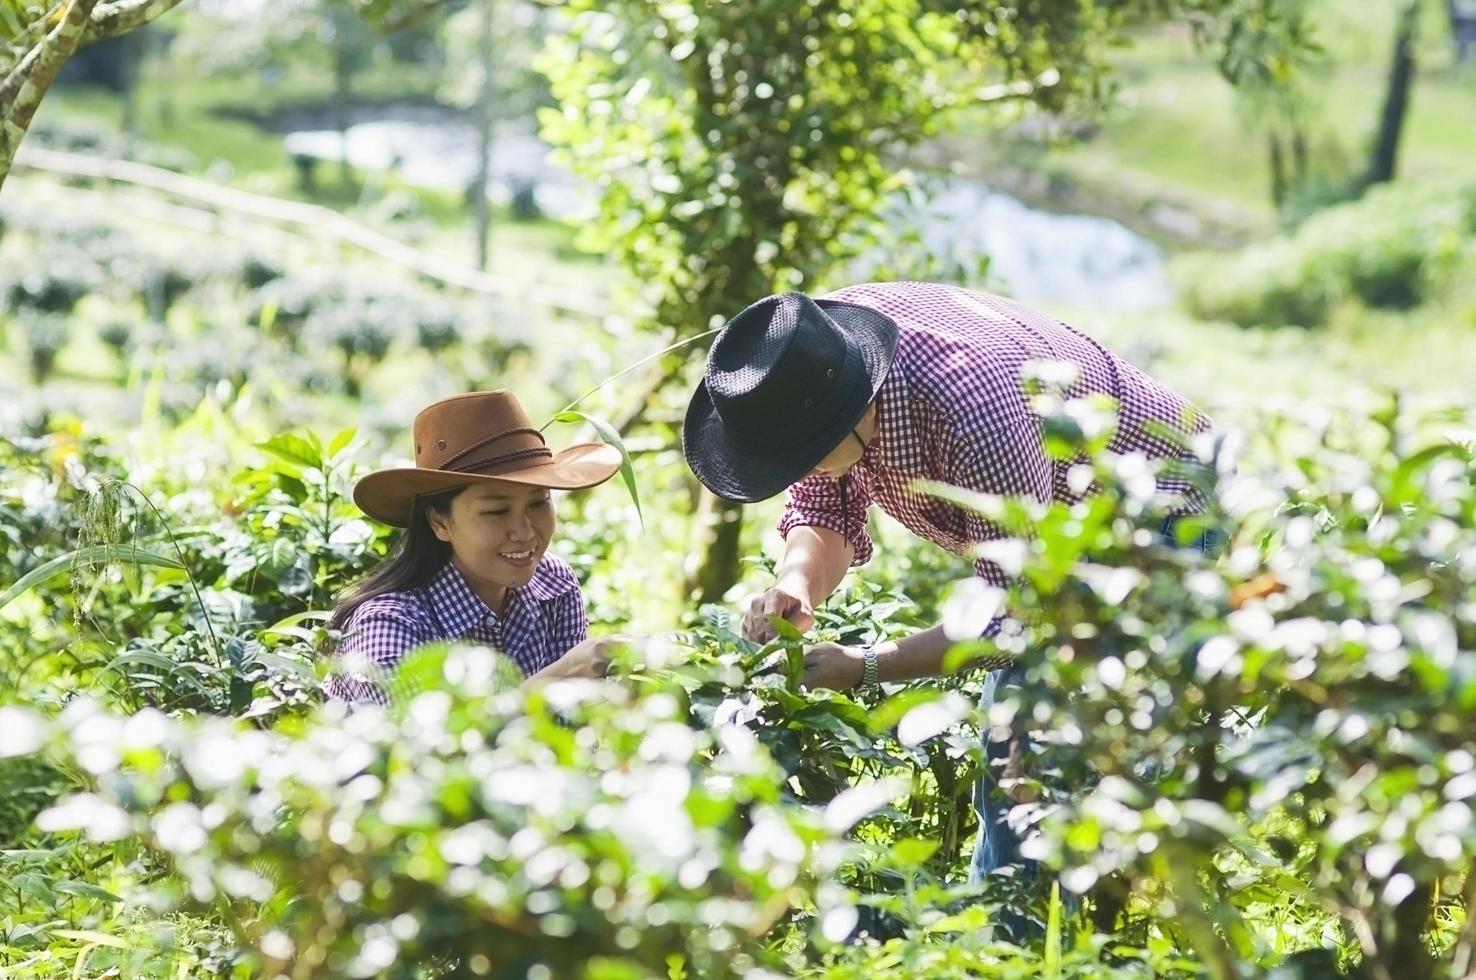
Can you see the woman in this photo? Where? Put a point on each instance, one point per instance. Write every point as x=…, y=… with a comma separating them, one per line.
x=472, y=564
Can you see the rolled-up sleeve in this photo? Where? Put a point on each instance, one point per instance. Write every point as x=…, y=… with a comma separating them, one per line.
x=816, y=502
x=376, y=638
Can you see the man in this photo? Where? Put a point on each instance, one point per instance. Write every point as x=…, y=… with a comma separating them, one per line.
x=849, y=399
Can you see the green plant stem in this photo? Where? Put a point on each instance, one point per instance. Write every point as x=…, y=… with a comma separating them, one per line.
x=194, y=586
x=624, y=371
x=1191, y=900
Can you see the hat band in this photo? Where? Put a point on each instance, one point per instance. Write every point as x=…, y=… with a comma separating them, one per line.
x=532, y=452
x=512, y=455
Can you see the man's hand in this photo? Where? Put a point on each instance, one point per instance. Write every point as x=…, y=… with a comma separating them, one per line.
x=1016, y=785
x=775, y=602
x=832, y=665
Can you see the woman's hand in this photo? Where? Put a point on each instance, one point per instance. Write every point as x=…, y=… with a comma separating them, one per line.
x=587, y=658
x=832, y=665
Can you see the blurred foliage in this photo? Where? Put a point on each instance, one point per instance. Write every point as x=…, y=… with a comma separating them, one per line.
x=1395, y=248
x=749, y=148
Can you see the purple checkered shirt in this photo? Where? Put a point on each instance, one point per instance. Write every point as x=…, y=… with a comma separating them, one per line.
x=952, y=409
x=543, y=620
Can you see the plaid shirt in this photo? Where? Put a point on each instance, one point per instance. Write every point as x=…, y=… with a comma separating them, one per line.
x=543, y=621
x=952, y=409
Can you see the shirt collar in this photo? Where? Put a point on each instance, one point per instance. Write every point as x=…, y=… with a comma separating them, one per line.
x=548, y=583
x=459, y=608
x=453, y=602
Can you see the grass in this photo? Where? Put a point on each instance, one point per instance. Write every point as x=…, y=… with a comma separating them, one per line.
x=1231, y=370
x=1179, y=132
x=202, y=119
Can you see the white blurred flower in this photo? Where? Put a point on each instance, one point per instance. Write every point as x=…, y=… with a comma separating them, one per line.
x=932, y=718
x=972, y=604
x=851, y=805
x=87, y=812
x=773, y=845
x=179, y=829
x=22, y=731
x=147, y=729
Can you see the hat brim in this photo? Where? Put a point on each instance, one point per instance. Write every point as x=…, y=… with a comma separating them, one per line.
x=744, y=476
x=389, y=495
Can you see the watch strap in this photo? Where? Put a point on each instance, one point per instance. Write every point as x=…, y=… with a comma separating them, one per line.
x=868, y=665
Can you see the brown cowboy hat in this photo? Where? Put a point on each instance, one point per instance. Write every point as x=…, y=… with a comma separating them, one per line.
x=475, y=438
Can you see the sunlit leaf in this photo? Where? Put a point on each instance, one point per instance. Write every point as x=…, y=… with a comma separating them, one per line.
x=611, y=437
x=85, y=557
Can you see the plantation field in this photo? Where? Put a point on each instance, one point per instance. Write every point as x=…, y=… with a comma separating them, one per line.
x=811, y=815
x=1257, y=763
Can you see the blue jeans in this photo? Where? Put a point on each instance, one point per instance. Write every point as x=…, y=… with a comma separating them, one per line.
x=998, y=844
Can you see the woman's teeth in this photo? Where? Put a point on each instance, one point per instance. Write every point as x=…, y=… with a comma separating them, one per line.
x=517, y=555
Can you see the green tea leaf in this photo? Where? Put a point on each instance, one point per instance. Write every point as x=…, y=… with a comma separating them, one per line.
x=89, y=936
x=294, y=449
x=609, y=436
x=84, y=890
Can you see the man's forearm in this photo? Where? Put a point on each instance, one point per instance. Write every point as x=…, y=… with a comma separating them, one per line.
x=815, y=560
x=919, y=655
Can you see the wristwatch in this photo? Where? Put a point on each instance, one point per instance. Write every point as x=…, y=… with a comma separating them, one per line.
x=868, y=665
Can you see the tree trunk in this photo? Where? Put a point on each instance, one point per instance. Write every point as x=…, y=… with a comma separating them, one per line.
x=1383, y=163
x=341, y=94
x=719, y=528
x=1403, y=951
x=133, y=58
x=1462, y=16
x=21, y=91
x=481, y=206
x=1278, y=169
x=1463, y=961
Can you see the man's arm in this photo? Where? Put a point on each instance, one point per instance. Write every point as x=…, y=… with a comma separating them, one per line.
x=815, y=560
x=918, y=655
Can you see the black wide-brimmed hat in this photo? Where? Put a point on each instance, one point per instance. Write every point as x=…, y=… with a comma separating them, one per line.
x=786, y=380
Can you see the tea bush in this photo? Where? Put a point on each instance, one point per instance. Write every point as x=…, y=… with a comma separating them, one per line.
x=480, y=831
x=1393, y=249
x=1261, y=762
x=200, y=318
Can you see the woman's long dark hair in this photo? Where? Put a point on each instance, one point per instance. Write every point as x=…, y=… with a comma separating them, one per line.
x=414, y=559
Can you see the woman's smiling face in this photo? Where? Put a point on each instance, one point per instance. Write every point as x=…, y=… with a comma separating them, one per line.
x=498, y=532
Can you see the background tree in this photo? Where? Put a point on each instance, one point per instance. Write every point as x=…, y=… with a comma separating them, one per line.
x=490, y=48
x=36, y=39
x=1384, y=157
x=749, y=148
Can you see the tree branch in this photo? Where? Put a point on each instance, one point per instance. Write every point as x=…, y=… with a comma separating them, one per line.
x=115, y=17
x=410, y=18
x=41, y=63
x=22, y=90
